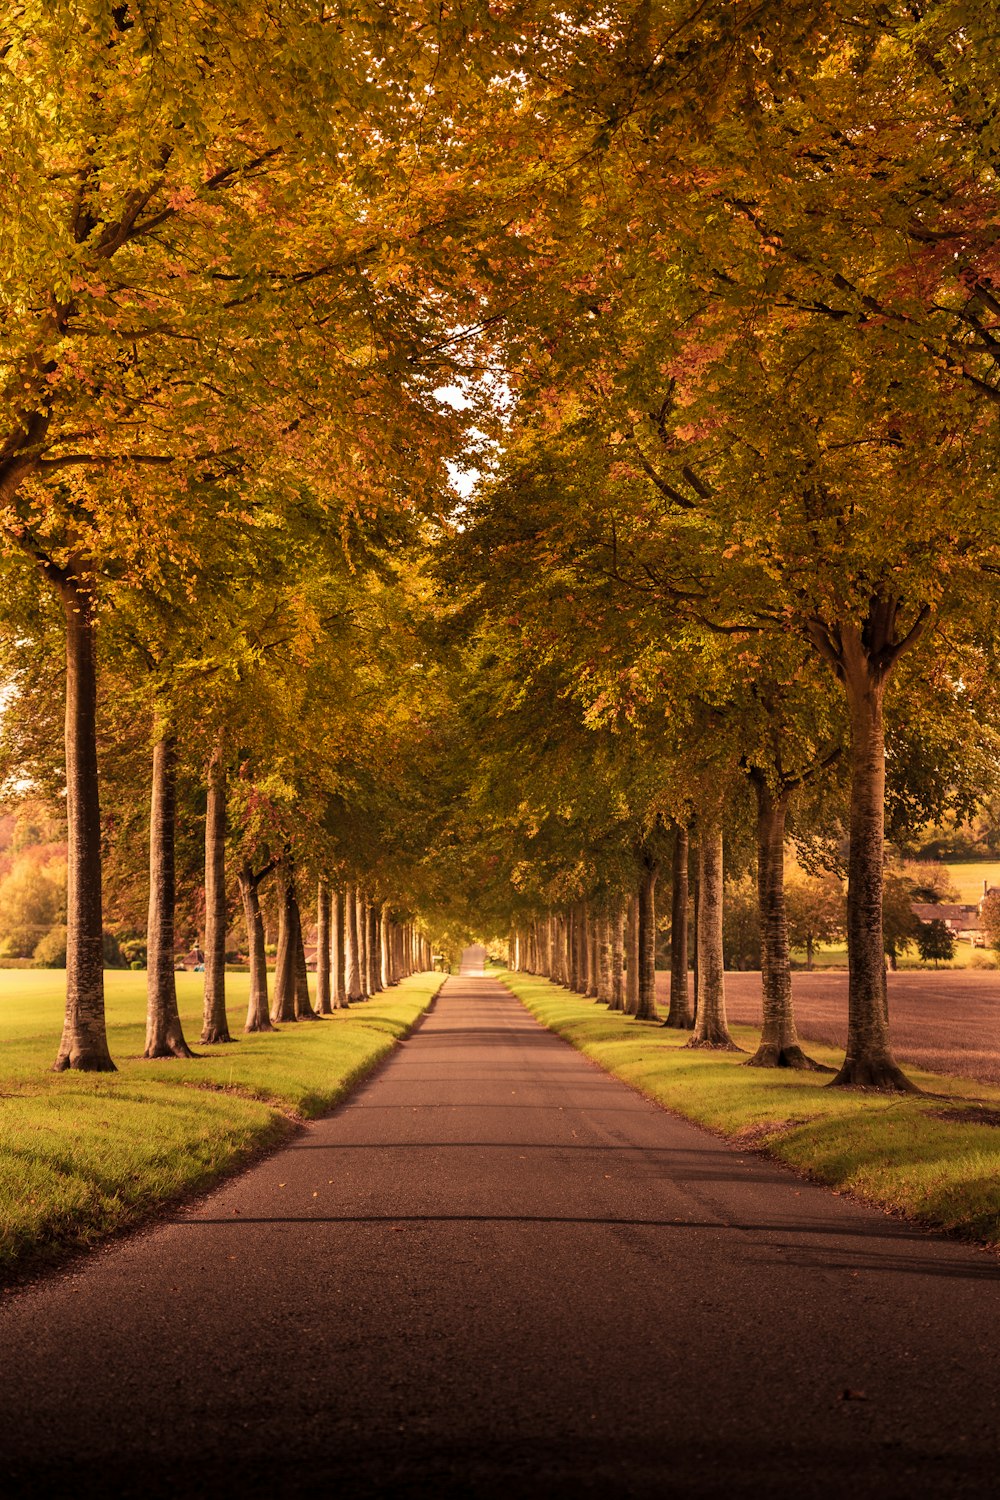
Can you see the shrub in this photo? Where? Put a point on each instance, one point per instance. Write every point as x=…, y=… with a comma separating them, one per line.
x=978, y=959
x=50, y=951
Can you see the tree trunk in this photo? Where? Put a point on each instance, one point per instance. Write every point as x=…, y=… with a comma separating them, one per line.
x=353, y=947
x=869, y=1062
x=363, y=945
x=283, y=1005
x=696, y=912
x=338, y=948
x=604, y=958
x=374, y=948
x=809, y=954
x=303, y=1001
x=385, y=930
x=632, y=957
x=617, y=1001
x=646, y=1004
x=779, y=1043
x=258, y=1018
x=323, y=999
x=164, y=1036
x=84, y=1043
x=215, y=1022
x=711, y=1028
x=679, y=1014
x=590, y=930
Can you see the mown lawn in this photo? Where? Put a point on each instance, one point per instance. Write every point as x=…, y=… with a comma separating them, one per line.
x=82, y=1155
x=896, y=1152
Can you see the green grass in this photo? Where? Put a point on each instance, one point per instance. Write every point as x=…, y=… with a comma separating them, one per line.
x=891, y=1151
x=83, y=1155
x=967, y=877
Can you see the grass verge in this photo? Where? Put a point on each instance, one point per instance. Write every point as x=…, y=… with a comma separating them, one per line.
x=85, y=1155
x=934, y=1159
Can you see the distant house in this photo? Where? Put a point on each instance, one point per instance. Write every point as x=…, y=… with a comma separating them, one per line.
x=961, y=921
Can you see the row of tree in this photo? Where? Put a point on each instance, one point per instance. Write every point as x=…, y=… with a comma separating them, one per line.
x=705, y=294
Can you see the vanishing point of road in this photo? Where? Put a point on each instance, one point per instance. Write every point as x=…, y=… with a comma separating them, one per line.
x=497, y=1271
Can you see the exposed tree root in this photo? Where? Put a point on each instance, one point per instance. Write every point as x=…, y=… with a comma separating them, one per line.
x=713, y=1044
x=880, y=1074
x=773, y=1056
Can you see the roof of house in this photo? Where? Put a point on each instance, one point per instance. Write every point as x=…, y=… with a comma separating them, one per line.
x=947, y=912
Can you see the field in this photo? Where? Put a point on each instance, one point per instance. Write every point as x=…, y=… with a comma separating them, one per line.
x=82, y=1155
x=935, y=1158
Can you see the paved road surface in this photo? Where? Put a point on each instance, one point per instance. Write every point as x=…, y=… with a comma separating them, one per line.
x=498, y=1272
x=947, y=1020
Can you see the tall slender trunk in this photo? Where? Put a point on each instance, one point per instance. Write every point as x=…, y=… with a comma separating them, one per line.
x=303, y=1001
x=711, y=1027
x=869, y=1062
x=215, y=1022
x=385, y=947
x=84, y=1043
x=338, y=945
x=583, y=948
x=617, y=1001
x=632, y=957
x=323, y=998
x=680, y=1014
x=164, y=1035
x=363, y=945
x=258, y=1018
x=696, y=904
x=779, y=1043
x=353, y=947
x=604, y=958
x=646, y=1002
x=283, y=1004
x=590, y=931
x=374, y=948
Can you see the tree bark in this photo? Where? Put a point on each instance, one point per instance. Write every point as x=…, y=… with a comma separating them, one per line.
x=215, y=1022
x=680, y=1014
x=604, y=958
x=646, y=1001
x=385, y=947
x=632, y=957
x=303, y=1001
x=711, y=1028
x=258, y=1018
x=338, y=945
x=590, y=937
x=779, y=1043
x=323, y=998
x=283, y=1004
x=869, y=1062
x=353, y=947
x=363, y=945
x=374, y=948
x=84, y=1043
x=164, y=1035
x=617, y=1001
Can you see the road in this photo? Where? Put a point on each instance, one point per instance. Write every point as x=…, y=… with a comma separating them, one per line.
x=946, y=1020
x=496, y=1271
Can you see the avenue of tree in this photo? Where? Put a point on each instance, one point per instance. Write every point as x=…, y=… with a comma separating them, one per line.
x=704, y=302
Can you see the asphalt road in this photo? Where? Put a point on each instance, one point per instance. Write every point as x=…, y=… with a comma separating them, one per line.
x=947, y=1020
x=497, y=1271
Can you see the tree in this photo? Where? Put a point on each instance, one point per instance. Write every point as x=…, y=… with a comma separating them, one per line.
x=935, y=941
x=815, y=912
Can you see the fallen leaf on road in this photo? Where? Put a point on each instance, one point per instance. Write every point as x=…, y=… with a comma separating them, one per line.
x=849, y=1395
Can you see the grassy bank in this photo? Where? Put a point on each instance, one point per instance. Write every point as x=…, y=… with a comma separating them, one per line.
x=934, y=1159
x=83, y=1155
